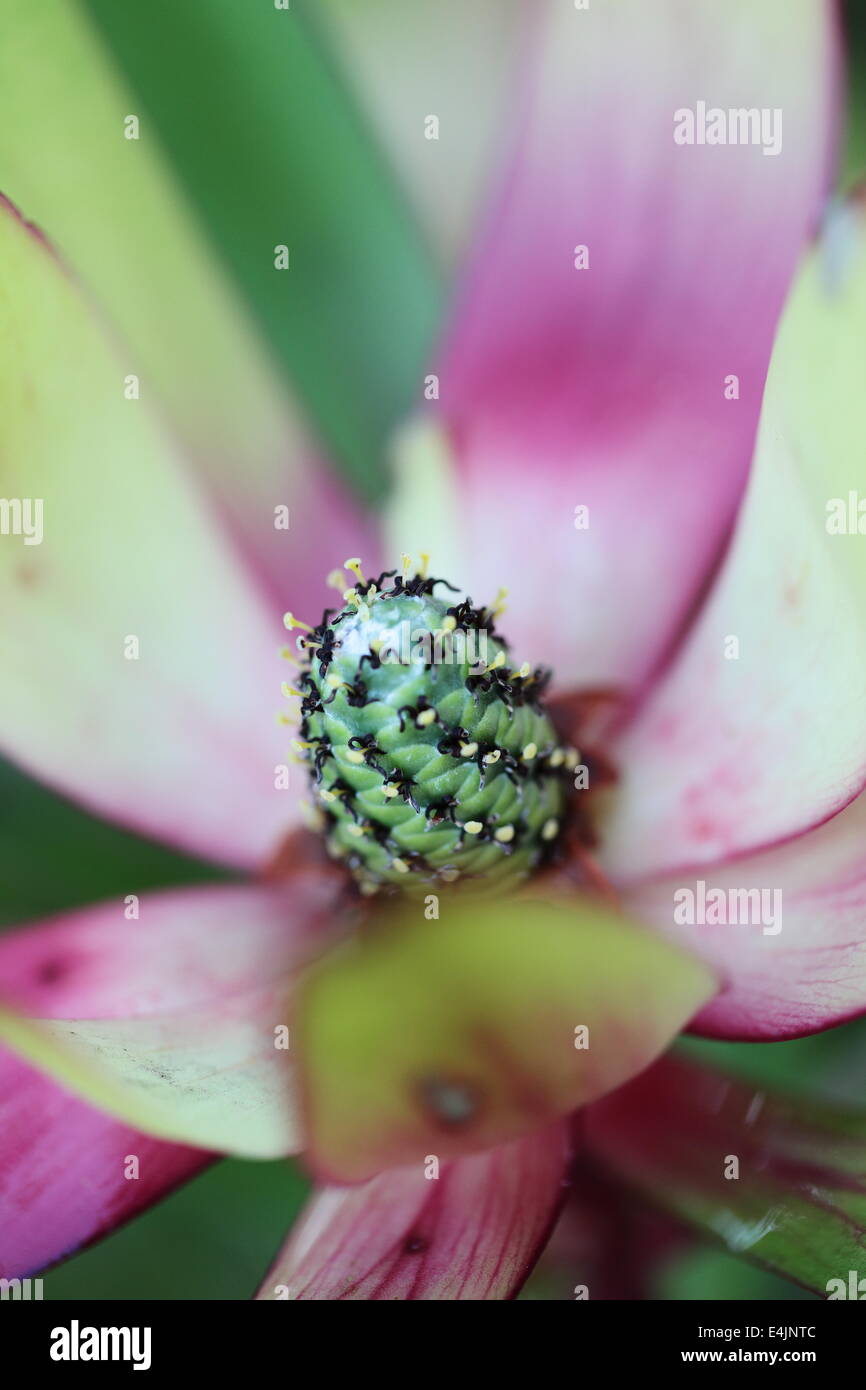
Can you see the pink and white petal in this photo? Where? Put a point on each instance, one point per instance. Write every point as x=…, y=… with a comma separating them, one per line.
x=175, y=1022
x=141, y=669
x=116, y=215
x=605, y=387
x=797, y=963
x=758, y=731
x=66, y=1176
x=452, y=62
x=168, y=951
x=472, y=1230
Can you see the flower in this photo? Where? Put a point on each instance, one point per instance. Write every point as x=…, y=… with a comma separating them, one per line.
x=594, y=446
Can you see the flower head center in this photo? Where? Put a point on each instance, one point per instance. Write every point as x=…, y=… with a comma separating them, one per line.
x=431, y=756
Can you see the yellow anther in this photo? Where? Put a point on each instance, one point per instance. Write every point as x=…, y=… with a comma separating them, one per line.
x=290, y=692
x=468, y=750
x=354, y=565
x=284, y=718
x=300, y=745
x=333, y=682
x=498, y=607
x=425, y=717
x=529, y=752
x=406, y=565
x=354, y=600
x=290, y=621
x=473, y=827
x=354, y=755
x=425, y=562
x=356, y=830
x=522, y=671
x=571, y=758
x=448, y=623
x=313, y=816
x=376, y=645
x=449, y=875
x=493, y=757
x=550, y=829
x=557, y=757
x=388, y=790
x=496, y=662
x=400, y=865
x=288, y=655
x=505, y=834
x=327, y=795
x=336, y=580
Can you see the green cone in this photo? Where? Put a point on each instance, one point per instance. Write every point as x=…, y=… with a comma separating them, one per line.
x=431, y=758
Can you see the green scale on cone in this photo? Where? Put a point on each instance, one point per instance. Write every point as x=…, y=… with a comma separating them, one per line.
x=431, y=758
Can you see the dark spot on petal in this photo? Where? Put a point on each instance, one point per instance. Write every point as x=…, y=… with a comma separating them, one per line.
x=27, y=574
x=50, y=971
x=415, y=1245
x=449, y=1101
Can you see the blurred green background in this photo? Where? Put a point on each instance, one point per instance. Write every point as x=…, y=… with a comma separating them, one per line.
x=203, y=71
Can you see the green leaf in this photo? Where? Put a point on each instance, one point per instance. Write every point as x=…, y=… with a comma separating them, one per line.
x=213, y=1239
x=826, y=1065
x=854, y=162
x=777, y=1180
x=268, y=144
x=702, y=1274
x=54, y=856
